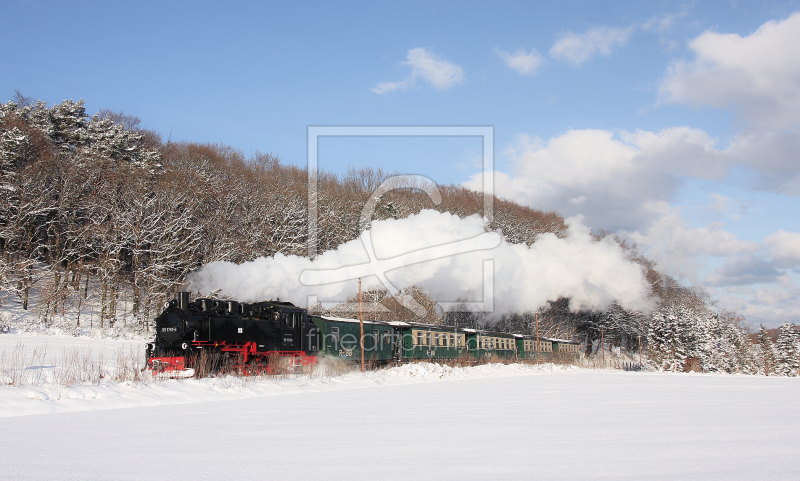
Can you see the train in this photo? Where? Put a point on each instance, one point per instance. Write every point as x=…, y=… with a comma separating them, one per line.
x=207, y=336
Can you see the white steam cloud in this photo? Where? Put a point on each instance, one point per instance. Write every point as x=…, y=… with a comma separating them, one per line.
x=444, y=255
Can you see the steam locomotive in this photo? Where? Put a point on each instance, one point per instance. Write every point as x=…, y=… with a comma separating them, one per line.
x=229, y=335
x=216, y=335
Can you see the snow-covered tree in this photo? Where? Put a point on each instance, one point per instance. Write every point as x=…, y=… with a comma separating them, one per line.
x=766, y=352
x=788, y=350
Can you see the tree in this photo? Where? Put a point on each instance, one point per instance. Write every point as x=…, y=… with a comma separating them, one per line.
x=766, y=351
x=788, y=350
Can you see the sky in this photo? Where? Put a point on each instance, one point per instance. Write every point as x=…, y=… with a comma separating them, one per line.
x=673, y=124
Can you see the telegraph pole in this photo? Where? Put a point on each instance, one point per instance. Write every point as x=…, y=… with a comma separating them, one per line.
x=361, y=324
x=603, y=346
x=640, y=350
x=536, y=316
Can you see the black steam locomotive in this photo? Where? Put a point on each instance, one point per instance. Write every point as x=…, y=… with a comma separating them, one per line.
x=230, y=335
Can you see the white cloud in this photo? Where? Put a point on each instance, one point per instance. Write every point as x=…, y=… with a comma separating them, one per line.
x=677, y=247
x=757, y=75
x=662, y=23
x=784, y=248
x=771, y=305
x=614, y=181
x=427, y=66
x=659, y=23
x=523, y=62
x=773, y=158
x=578, y=48
x=743, y=270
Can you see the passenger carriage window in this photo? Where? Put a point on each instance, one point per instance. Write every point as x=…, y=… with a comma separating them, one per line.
x=335, y=336
x=428, y=339
x=419, y=338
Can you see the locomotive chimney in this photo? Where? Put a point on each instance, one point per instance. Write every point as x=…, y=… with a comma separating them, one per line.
x=183, y=300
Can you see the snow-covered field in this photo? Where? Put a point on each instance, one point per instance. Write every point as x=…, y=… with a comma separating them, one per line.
x=416, y=421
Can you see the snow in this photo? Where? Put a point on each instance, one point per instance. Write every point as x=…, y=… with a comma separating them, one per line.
x=417, y=421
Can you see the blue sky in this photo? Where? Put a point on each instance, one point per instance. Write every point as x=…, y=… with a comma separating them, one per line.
x=674, y=123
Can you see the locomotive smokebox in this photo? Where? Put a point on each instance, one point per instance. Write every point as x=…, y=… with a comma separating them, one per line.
x=183, y=300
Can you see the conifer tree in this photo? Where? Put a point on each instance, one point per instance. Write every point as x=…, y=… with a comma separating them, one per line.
x=788, y=348
x=767, y=351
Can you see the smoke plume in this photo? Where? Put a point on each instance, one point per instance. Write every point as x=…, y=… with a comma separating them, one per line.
x=444, y=255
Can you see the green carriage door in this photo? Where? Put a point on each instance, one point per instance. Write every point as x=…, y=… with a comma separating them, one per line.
x=373, y=349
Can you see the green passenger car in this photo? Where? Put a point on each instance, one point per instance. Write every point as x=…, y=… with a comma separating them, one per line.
x=339, y=337
x=566, y=350
x=527, y=347
x=429, y=341
x=487, y=344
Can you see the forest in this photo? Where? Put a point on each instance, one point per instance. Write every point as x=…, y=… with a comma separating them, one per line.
x=99, y=209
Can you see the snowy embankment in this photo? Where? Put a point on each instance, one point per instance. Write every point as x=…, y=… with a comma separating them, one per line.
x=40, y=393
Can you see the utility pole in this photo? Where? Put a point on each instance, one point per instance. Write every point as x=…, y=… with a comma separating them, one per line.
x=640, y=350
x=536, y=315
x=603, y=346
x=361, y=324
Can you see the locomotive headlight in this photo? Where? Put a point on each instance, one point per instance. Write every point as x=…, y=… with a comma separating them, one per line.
x=185, y=346
x=166, y=305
